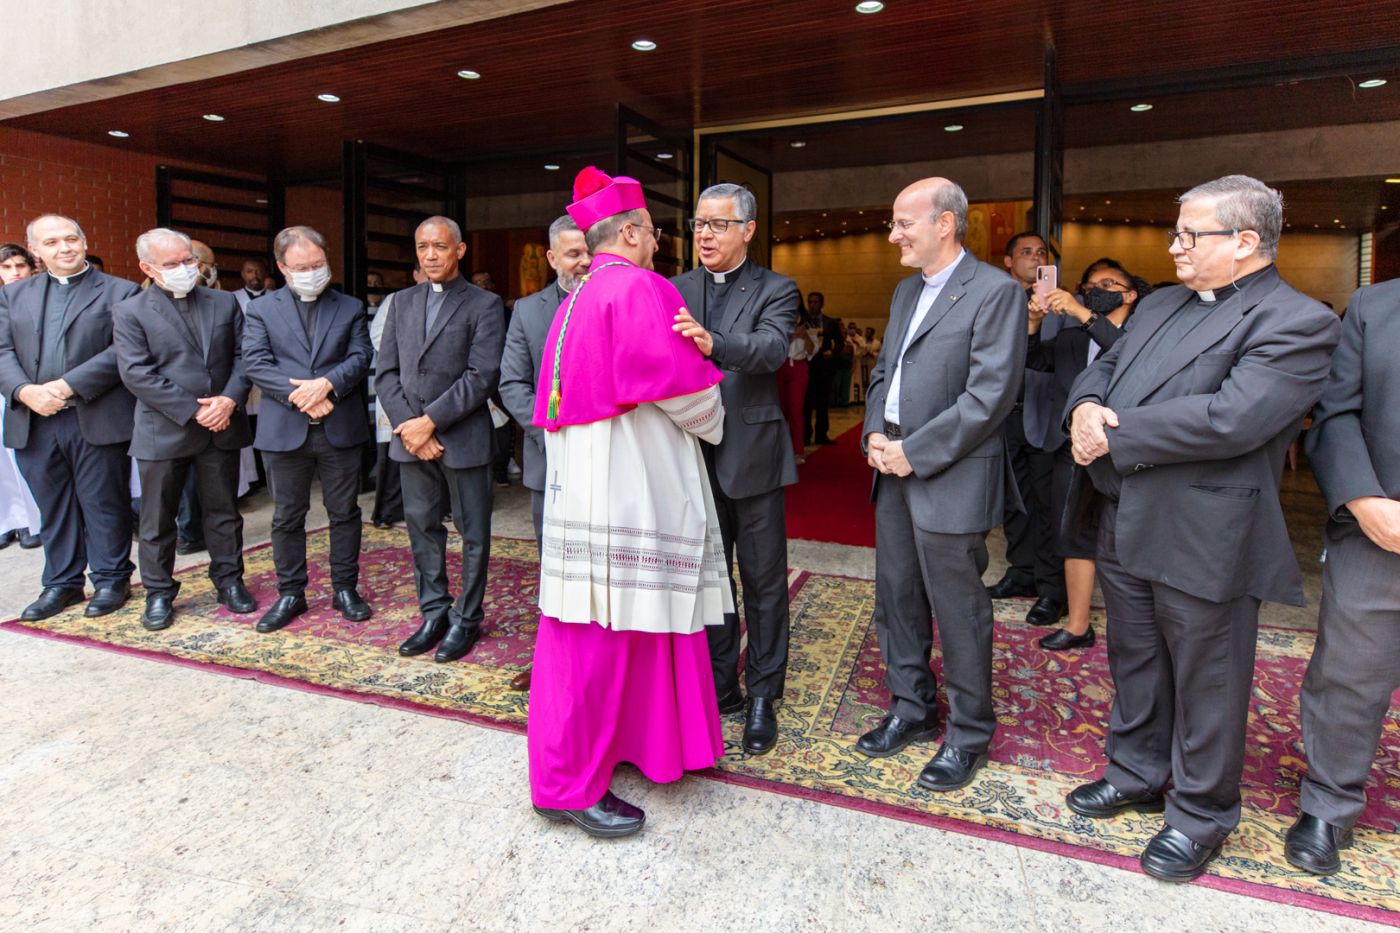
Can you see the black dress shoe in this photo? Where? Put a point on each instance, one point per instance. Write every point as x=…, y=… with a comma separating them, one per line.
x=951, y=769
x=760, y=726
x=29, y=541
x=426, y=638
x=893, y=733
x=609, y=818
x=349, y=604
x=237, y=598
x=282, y=613
x=1173, y=856
x=107, y=599
x=8, y=538
x=188, y=547
x=1046, y=611
x=731, y=702
x=160, y=612
x=1312, y=844
x=1065, y=640
x=1005, y=588
x=1099, y=799
x=458, y=641
x=826, y=442
x=52, y=601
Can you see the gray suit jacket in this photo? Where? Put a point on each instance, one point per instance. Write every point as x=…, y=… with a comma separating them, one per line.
x=104, y=405
x=530, y=321
x=1202, y=455
x=447, y=374
x=751, y=334
x=1354, y=443
x=959, y=382
x=167, y=371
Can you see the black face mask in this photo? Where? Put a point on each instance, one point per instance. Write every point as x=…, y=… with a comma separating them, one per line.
x=1102, y=300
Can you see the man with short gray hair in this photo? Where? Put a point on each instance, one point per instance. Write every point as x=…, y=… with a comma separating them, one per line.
x=1181, y=430
x=741, y=317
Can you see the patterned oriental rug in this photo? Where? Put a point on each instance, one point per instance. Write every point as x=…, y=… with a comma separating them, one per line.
x=1053, y=713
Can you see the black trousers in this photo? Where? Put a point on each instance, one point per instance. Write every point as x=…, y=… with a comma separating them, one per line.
x=289, y=475
x=1182, y=668
x=189, y=523
x=537, y=515
x=919, y=574
x=215, y=473
x=816, y=415
x=388, y=492
x=84, y=496
x=1354, y=669
x=755, y=529
x=429, y=488
x=1031, y=549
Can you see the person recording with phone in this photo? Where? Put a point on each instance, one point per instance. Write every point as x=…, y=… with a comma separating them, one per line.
x=1090, y=320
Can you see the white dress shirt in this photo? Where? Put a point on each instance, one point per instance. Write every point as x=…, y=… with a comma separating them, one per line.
x=933, y=287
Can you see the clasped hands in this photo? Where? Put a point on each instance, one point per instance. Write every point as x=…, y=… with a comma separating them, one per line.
x=887, y=455
x=312, y=396
x=215, y=412
x=419, y=438
x=46, y=398
x=687, y=326
x=1088, y=439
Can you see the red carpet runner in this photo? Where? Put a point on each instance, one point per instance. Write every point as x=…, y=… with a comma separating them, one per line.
x=831, y=501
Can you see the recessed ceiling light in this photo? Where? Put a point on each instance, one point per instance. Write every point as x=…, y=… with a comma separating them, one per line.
x=797, y=144
x=1081, y=207
x=118, y=133
x=787, y=221
x=860, y=212
x=1336, y=220
x=823, y=213
x=260, y=201
x=469, y=74
x=953, y=128
x=1392, y=181
x=644, y=45
x=869, y=6
x=551, y=167
x=1344, y=226
x=1107, y=202
x=1140, y=108
x=1372, y=82
x=1385, y=207
x=213, y=118
x=328, y=98
x=664, y=155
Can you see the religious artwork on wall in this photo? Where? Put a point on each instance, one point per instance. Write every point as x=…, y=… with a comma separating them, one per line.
x=534, y=268
x=991, y=224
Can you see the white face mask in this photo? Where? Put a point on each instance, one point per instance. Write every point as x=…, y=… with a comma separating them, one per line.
x=179, y=281
x=212, y=278
x=309, y=285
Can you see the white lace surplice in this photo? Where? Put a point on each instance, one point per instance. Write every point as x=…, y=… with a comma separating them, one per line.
x=631, y=533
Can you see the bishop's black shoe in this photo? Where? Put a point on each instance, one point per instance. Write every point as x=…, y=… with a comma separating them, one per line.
x=286, y=609
x=760, y=726
x=457, y=643
x=893, y=733
x=426, y=638
x=1099, y=799
x=1312, y=844
x=951, y=769
x=107, y=599
x=609, y=818
x=1171, y=855
x=52, y=600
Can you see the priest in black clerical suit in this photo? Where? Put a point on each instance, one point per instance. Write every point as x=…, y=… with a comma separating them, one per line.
x=1181, y=428
x=743, y=315
x=178, y=351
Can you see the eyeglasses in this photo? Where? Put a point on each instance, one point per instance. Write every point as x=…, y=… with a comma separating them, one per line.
x=716, y=224
x=1109, y=285
x=1188, y=237
x=657, y=232
x=901, y=225
x=307, y=267
x=176, y=263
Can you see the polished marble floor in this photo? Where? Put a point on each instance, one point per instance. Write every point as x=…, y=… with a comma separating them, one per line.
x=143, y=796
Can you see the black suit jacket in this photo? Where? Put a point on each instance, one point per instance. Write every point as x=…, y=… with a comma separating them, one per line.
x=104, y=405
x=447, y=374
x=1354, y=443
x=1201, y=456
x=751, y=334
x=520, y=372
x=1065, y=356
x=276, y=350
x=167, y=371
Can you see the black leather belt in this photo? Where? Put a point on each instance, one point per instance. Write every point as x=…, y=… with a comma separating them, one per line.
x=892, y=430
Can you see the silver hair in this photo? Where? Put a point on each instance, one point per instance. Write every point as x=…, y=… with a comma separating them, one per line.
x=561, y=224
x=151, y=237
x=439, y=220
x=291, y=236
x=1245, y=203
x=607, y=229
x=744, y=203
x=949, y=196
x=29, y=230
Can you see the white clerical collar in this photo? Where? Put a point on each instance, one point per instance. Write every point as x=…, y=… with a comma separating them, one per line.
x=65, y=279
x=719, y=276
x=1206, y=294
x=257, y=294
x=941, y=277
x=437, y=286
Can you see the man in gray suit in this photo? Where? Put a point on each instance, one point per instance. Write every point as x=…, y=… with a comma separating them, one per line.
x=439, y=362
x=520, y=362
x=1356, y=665
x=1182, y=428
x=944, y=384
x=179, y=352
x=741, y=316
